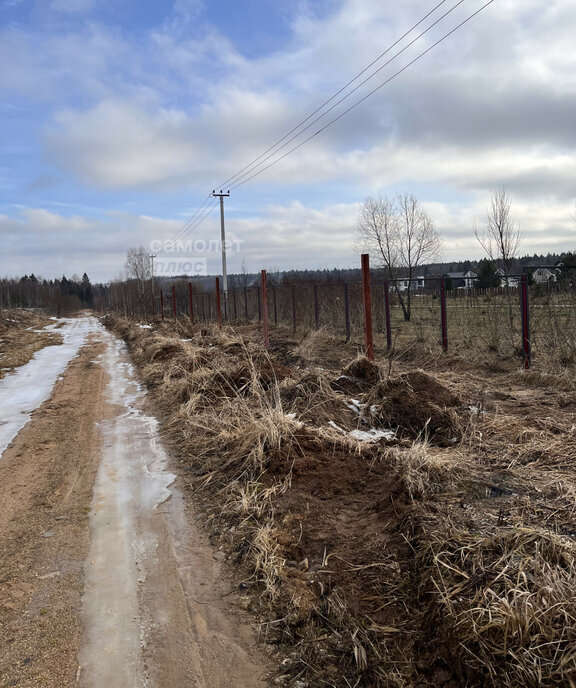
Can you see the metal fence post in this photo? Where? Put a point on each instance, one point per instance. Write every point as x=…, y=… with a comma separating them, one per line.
x=218, y=304
x=265, y=333
x=293, y=309
x=526, y=347
x=162, y=303
x=316, y=307
x=191, y=299
x=387, y=315
x=174, y=301
x=347, y=311
x=368, y=338
x=443, y=318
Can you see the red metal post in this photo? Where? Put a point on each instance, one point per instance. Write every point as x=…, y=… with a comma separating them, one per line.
x=387, y=315
x=293, y=309
x=526, y=346
x=368, y=338
x=218, y=304
x=191, y=302
x=347, y=311
x=443, y=315
x=174, y=301
x=265, y=333
x=162, y=303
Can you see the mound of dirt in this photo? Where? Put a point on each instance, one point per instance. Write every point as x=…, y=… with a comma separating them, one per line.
x=418, y=405
x=358, y=377
x=314, y=401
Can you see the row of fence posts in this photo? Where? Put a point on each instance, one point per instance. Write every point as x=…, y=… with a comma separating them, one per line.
x=263, y=314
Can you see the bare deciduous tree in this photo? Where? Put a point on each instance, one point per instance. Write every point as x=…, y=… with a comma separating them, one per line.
x=402, y=235
x=501, y=237
x=138, y=267
x=501, y=241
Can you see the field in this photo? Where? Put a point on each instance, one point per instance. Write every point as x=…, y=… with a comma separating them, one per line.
x=404, y=523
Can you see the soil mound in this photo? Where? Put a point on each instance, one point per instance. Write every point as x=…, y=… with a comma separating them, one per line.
x=357, y=377
x=418, y=405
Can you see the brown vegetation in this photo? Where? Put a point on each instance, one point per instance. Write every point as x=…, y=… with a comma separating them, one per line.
x=439, y=554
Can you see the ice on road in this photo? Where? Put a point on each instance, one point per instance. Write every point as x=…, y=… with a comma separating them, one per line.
x=24, y=390
x=130, y=483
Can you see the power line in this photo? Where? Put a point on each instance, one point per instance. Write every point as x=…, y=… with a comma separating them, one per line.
x=356, y=88
x=200, y=219
x=187, y=227
x=318, y=109
x=361, y=100
x=191, y=219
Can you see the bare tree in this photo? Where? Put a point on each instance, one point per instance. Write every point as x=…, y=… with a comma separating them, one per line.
x=402, y=235
x=501, y=241
x=501, y=237
x=138, y=267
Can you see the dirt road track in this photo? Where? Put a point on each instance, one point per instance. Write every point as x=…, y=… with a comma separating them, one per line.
x=114, y=587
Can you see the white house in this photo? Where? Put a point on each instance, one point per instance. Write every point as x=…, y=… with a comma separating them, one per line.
x=543, y=276
x=462, y=280
x=513, y=280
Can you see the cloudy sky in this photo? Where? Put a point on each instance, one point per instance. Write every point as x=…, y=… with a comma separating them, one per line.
x=118, y=118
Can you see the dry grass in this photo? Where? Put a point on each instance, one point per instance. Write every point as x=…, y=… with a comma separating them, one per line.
x=350, y=548
x=508, y=602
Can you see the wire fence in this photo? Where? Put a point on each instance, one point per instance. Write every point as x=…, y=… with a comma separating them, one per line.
x=523, y=320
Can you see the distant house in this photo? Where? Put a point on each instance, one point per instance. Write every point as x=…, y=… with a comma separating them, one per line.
x=513, y=280
x=462, y=280
x=543, y=276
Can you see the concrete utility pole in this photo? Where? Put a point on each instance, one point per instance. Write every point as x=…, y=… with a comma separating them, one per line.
x=221, y=196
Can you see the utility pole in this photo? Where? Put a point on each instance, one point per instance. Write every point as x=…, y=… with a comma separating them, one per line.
x=221, y=196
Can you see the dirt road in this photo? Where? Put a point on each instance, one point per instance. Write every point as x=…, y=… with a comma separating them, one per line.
x=105, y=580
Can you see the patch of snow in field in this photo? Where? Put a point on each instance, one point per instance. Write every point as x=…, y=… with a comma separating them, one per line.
x=24, y=390
x=372, y=435
x=145, y=327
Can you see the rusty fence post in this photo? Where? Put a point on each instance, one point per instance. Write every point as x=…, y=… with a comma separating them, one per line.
x=218, y=304
x=347, y=311
x=443, y=315
x=190, y=298
x=316, y=307
x=387, y=315
x=293, y=290
x=526, y=346
x=368, y=337
x=265, y=333
x=174, y=301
